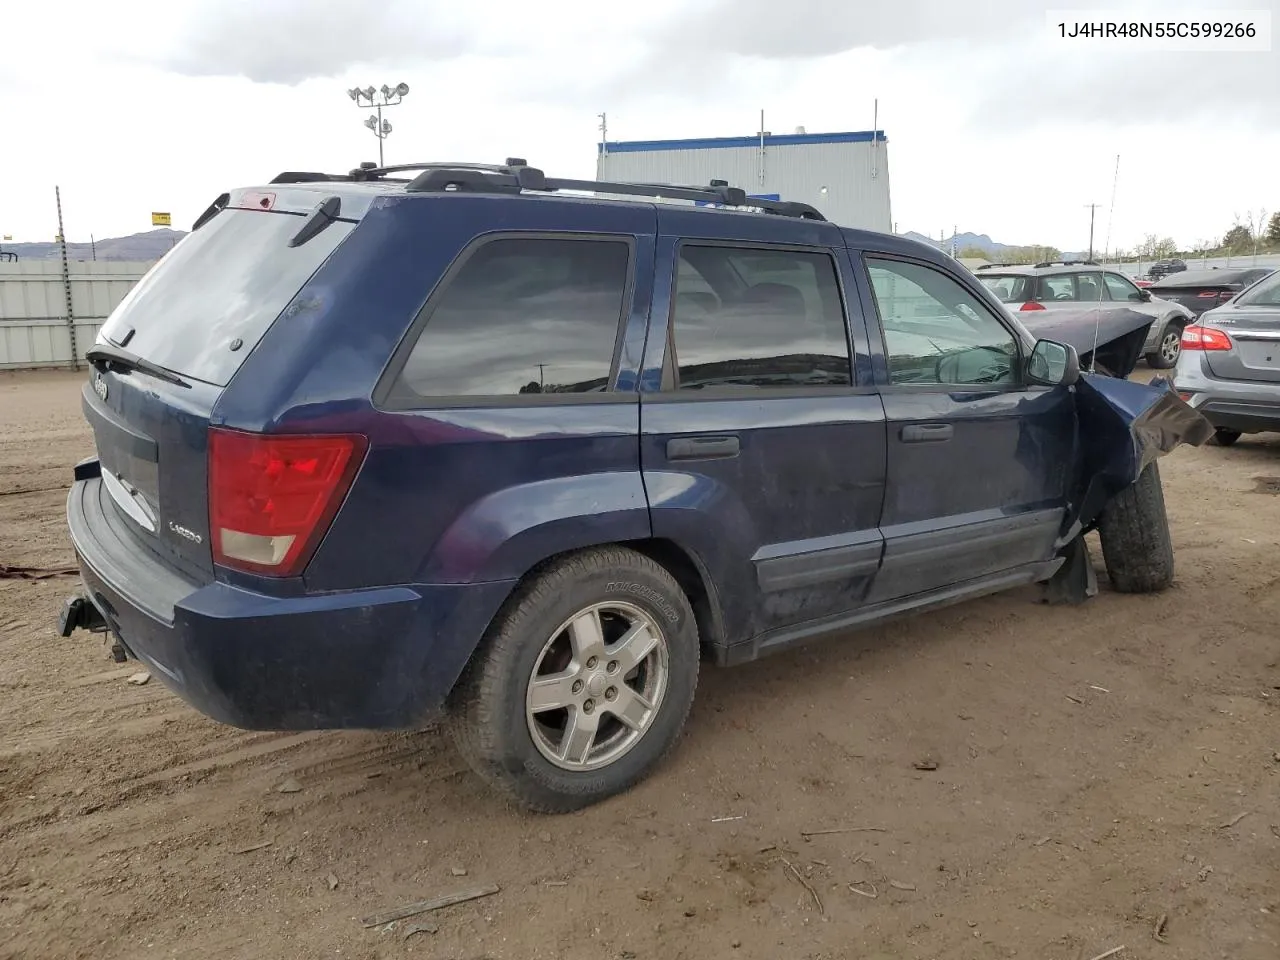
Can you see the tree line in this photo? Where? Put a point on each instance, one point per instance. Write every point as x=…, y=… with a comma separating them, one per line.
x=1254, y=233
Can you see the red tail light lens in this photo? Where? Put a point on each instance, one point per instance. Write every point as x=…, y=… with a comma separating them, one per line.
x=1196, y=337
x=1031, y=305
x=272, y=498
x=1208, y=293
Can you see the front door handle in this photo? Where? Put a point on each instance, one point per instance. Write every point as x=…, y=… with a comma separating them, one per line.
x=702, y=448
x=927, y=432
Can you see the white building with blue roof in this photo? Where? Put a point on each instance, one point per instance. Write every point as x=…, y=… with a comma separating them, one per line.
x=844, y=175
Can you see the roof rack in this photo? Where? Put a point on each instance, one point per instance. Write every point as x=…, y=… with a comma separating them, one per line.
x=516, y=176
x=992, y=266
x=1067, y=263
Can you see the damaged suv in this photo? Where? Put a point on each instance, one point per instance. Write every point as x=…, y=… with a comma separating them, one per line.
x=524, y=451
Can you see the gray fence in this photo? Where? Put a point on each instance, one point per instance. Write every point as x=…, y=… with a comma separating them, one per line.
x=35, y=330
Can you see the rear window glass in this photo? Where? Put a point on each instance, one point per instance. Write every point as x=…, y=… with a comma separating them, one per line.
x=1009, y=288
x=228, y=280
x=523, y=316
x=1264, y=294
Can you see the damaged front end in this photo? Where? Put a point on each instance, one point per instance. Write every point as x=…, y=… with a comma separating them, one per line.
x=1122, y=427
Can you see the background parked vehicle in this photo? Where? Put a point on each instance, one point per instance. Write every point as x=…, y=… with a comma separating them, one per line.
x=1230, y=365
x=1162, y=268
x=1201, y=290
x=1082, y=292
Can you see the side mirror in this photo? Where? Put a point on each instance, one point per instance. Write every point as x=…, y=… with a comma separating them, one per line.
x=1144, y=295
x=1053, y=364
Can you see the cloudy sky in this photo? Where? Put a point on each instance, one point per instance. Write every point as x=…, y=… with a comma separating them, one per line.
x=993, y=124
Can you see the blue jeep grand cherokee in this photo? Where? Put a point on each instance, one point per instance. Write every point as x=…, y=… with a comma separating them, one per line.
x=524, y=449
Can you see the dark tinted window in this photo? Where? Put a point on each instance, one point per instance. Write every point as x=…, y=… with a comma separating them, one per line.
x=524, y=317
x=936, y=331
x=758, y=318
x=226, y=281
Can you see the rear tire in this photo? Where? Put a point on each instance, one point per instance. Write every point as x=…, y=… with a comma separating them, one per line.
x=1167, y=351
x=551, y=710
x=1134, y=530
x=1222, y=437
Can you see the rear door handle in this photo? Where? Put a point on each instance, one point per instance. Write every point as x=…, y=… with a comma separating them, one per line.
x=926, y=432
x=702, y=448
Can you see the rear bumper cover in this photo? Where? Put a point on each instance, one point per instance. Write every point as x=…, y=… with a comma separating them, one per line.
x=381, y=658
x=1247, y=406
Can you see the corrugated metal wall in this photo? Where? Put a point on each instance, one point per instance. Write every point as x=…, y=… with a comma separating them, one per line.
x=855, y=175
x=33, y=307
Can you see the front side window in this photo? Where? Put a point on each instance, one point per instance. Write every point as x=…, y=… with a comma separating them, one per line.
x=936, y=331
x=524, y=317
x=758, y=318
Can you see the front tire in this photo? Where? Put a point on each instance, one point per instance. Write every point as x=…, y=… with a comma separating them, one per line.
x=1222, y=437
x=1134, y=529
x=582, y=683
x=1167, y=351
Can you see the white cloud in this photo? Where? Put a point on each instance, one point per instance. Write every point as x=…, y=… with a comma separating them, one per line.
x=993, y=126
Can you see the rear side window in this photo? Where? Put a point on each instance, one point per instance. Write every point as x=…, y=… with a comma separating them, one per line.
x=227, y=281
x=523, y=316
x=758, y=318
x=1120, y=288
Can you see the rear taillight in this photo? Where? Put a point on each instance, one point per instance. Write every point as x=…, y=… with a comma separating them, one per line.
x=1196, y=337
x=1207, y=293
x=1031, y=305
x=272, y=498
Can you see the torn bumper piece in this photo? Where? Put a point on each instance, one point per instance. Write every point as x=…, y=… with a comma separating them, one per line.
x=1123, y=427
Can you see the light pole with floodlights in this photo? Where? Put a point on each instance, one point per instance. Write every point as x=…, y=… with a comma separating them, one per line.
x=371, y=99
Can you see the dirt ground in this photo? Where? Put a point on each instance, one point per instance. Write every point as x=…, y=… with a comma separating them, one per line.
x=1098, y=769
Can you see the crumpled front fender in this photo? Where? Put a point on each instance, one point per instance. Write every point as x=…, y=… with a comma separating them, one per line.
x=1124, y=426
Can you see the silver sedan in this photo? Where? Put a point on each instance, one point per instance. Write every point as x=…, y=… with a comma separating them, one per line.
x=1229, y=368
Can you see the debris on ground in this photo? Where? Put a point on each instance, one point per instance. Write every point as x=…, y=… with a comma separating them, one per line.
x=332, y=881
x=424, y=926
x=790, y=868
x=257, y=846
x=290, y=785
x=458, y=871
x=36, y=573
x=834, y=830
x=926, y=764
x=901, y=886
x=857, y=884
x=138, y=679
x=426, y=906
x=1161, y=924
x=1108, y=953
x=1233, y=821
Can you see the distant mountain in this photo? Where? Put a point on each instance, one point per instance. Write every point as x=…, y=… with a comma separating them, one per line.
x=978, y=241
x=151, y=245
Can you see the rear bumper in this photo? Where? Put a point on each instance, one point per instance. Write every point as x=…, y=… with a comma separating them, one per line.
x=1247, y=406
x=381, y=658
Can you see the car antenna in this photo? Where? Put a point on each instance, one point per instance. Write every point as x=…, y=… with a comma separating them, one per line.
x=1102, y=280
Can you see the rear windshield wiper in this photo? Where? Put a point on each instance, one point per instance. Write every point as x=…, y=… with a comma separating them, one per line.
x=104, y=355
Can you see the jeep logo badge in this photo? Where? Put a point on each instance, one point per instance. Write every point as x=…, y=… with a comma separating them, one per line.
x=100, y=386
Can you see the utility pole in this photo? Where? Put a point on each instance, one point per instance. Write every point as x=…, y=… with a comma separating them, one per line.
x=368, y=99
x=604, y=147
x=1093, y=208
x=66, y=282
